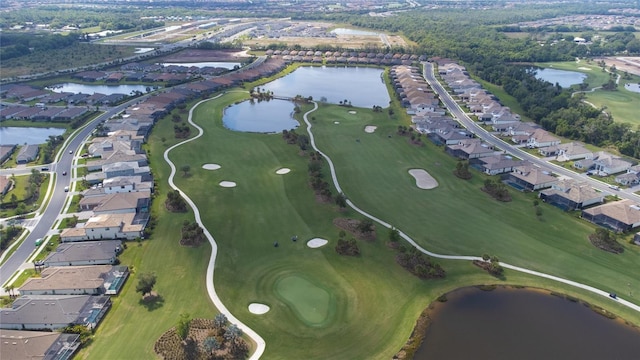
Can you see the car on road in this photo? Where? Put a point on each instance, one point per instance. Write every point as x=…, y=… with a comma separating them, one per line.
x=38, y=242
x=64, y=173
x=66, y=189
x=70, y=151
x=613, y=296
x=44, y=169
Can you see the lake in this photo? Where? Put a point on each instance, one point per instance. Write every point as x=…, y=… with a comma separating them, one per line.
x=343, y=31
x=101, y=89
x=219, y=64
x=29, y=135
x=562, y=77
x=262, y=117
x=362, y=86
x=523, y=324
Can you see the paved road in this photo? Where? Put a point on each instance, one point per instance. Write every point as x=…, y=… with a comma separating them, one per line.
x=46, y=220
x=334, y=177
x=480, y=132
x=260, y=343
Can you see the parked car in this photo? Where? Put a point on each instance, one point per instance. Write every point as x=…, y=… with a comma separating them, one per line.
x=38, y=242
x=66, y=189
x=64, y=173
x=44, y=169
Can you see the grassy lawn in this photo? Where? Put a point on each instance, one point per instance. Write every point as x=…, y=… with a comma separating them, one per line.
x=622, y=103
x=372, y=303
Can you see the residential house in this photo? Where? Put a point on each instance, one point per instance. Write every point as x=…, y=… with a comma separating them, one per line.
x=498, y=164
x=619, y=216
x=530, y=177
x=572, y=151
x=126, y=169
x=77, y=280
x=32, y=345
x=53, y=312
x=569, y=194
x=542, y=138
x=122, y=184
x=603, y=163
x=106, y=226
x=470, y=149
x=5, y=184
x=5, y=152
x=449, y=135
x=85, y=253
x=27, y=154
x=630, y=178
x=117, y=203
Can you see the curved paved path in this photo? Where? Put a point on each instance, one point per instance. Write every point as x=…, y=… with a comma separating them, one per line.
x=451, y=257
x=260, y=343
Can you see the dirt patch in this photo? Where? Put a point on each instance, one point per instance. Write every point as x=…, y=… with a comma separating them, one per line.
x=353, y=226
x=628, y=64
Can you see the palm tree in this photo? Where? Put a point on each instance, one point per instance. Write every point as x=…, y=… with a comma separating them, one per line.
x=220, y=320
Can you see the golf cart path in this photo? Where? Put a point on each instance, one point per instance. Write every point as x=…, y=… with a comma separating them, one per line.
x=259, y=341
x=452, y=257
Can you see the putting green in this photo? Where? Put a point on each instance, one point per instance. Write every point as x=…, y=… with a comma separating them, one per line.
x=311, y=303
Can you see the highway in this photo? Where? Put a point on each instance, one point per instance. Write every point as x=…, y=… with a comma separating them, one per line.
x=58, y=195
x=483, y=134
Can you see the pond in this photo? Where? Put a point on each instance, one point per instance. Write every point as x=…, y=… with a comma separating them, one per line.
x=29, y=135
x=101, y=89
x=343, y=31
x=523, y=324
x=262, y=117
x=362, y=86
x=562, y=77
x=218, y=64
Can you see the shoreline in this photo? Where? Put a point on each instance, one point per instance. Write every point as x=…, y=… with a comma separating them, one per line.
x=423, y=322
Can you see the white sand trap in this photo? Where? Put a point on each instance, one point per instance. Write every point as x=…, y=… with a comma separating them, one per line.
x=584, y=68
x=370, y=128
x=227, y=184
x=336, y=122
x=316, y=243
x=352, y=112
x=211, y=166
x=283, y=171
x=258, y=309
x=423, y=179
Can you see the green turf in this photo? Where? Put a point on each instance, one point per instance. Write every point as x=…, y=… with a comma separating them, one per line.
x=374, y=301
x=309, y=301
x=622, y=104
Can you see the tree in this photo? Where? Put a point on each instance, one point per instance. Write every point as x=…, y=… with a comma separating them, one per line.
x=220, y=320
x=185, y=170
x=233, y=332
x=341, y=201
x=366, y=226
x=394, y=235
x=182, y=327
x=146, y=282
x=210, y=344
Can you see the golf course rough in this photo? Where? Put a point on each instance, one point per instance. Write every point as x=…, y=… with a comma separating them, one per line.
x=309, y=302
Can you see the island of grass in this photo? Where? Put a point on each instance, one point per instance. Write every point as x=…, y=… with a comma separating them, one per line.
x=373, y=302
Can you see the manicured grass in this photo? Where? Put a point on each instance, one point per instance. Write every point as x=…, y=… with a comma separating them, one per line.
x=309, y=301
x=375, y=301
x=622, y=104
x=373, y=173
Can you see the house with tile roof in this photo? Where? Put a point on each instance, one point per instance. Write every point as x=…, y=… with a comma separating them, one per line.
x=530, y=177
x=84, y=253
x=569, y=194
x=32, y=345
x=77, y=280
x=619, y=216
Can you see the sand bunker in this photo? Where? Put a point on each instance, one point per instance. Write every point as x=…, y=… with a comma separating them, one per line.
x=227, y=184
x=316, y=243
x=423, y=179
x=211, y=166
x=352, y=112
x=283, y=171
x=258, y=309
x=584, y=68
x=370, y=128
x=336, y=122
